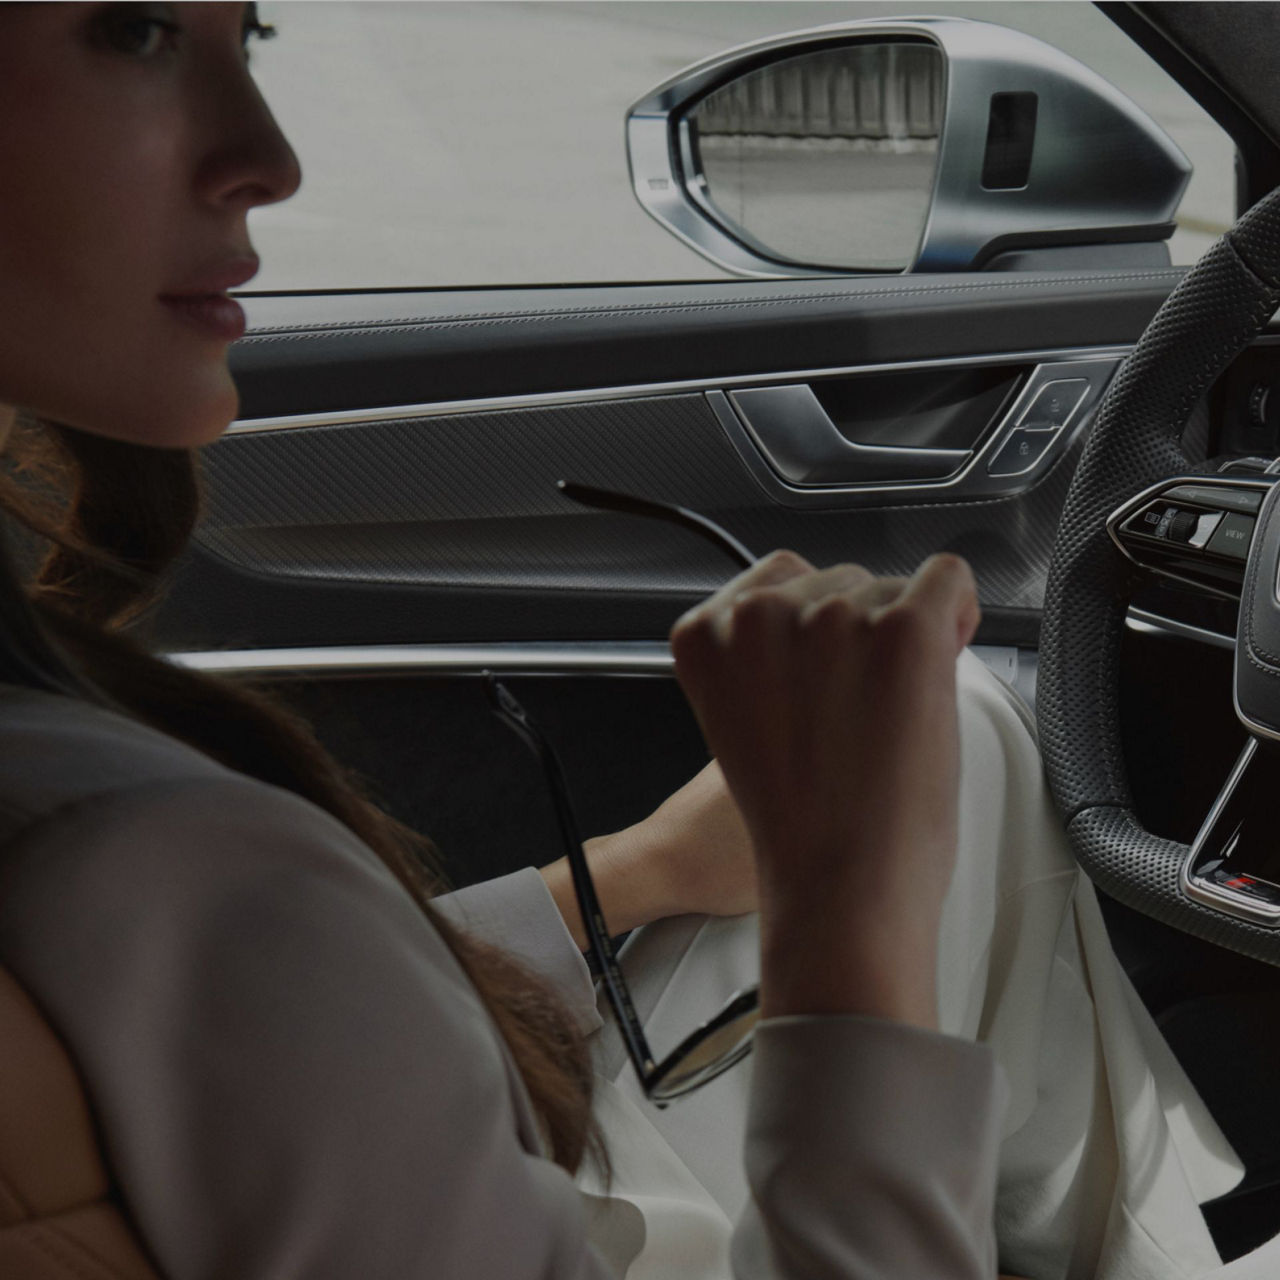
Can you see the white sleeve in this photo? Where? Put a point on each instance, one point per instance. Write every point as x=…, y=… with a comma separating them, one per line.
x=518, y=913
x=871, y=1152
x=292, y=1077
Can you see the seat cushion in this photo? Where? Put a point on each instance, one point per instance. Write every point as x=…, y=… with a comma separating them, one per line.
x=59, y=1215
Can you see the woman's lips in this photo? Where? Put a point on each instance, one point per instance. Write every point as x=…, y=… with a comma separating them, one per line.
x=214, y=314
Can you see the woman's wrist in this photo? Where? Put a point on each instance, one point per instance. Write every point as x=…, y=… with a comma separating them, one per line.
x=628, y=884
x=828, y=961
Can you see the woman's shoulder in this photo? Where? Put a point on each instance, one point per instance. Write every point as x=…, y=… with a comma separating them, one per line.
x=58, y=751
x=106, y=823
x=69, y=765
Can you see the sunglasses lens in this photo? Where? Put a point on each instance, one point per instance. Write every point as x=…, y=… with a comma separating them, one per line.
x=703, y=1058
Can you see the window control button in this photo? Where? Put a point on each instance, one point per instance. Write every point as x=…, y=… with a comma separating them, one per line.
x=1055, y=402
x=1232, y=536
x=1021, y=451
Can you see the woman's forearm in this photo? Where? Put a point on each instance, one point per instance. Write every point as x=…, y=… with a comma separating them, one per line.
x=691, y=855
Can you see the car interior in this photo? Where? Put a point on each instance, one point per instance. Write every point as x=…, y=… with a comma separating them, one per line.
x=382, y=524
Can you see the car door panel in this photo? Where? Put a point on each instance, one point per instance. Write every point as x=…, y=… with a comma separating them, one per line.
x=391, y=483
x=453, y=530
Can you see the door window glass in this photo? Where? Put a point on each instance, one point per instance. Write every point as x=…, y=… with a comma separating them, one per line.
x=464, y=144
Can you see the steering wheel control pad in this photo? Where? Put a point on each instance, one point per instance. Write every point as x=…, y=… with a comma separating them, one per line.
x=1195, y=529
x=1257, y=674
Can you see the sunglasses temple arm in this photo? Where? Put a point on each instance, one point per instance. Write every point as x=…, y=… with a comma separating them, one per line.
x=516, y=718
x=608, y=500
x=594, y=923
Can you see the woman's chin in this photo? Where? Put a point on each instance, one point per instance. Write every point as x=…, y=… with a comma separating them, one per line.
x=186, y=419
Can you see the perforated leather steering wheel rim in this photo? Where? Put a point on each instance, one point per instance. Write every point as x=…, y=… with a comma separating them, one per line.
x=1217, y=310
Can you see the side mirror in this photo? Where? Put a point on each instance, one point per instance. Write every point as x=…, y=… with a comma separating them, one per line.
x=930, y=144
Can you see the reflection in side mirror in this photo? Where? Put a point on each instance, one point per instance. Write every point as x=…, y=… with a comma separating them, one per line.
x=827, y=158
x=925, y=144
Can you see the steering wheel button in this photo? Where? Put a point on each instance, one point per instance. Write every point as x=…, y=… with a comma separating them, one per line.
x=1166, y=522
x=1223, y=498
x=1055, y=402
x=1232, y=536
x=1205, y=525
x=1021, y=451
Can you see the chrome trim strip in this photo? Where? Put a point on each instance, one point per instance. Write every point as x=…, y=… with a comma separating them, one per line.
x=1212, y=895
x=550, y=399
x=1148, y=623
x=603, y=657
x=608, y=657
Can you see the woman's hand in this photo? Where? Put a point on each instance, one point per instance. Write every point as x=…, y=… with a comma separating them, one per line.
x=692, y=854
x=828, y=698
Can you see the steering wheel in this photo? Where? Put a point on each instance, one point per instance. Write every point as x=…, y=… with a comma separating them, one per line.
x=1220, y=306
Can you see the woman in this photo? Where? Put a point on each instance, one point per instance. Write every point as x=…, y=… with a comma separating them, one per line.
x=298, y=1066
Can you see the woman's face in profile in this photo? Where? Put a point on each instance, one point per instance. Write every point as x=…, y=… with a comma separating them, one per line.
x=133, y=143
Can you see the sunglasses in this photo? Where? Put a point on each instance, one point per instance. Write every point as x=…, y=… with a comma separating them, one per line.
x=715, y=1046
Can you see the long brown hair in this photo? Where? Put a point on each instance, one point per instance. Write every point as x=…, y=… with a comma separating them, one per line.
x=104, y=523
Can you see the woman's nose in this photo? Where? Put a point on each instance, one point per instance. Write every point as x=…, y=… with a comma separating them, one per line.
x=251, y=162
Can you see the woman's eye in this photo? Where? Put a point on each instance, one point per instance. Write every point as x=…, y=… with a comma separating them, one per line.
x=140, y=35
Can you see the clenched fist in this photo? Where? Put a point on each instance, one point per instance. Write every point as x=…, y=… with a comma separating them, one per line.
x=828, y=698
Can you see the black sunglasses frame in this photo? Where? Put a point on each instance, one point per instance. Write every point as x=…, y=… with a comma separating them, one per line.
x=653, y=1076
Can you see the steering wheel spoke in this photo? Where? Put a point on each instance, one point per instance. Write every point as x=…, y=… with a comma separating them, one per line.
x=1222, y=536
x=1234, y=864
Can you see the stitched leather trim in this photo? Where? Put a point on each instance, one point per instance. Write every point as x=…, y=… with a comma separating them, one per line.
x=68, y=1254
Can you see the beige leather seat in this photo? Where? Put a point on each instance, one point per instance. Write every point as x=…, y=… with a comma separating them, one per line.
x=59, y=1217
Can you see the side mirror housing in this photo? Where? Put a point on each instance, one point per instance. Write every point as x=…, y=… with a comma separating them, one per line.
x=929, y=144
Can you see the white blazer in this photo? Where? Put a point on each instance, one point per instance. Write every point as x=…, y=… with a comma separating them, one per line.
x=294, y=1078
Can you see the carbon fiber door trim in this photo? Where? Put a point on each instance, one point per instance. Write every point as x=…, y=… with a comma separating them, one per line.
x=469, y=502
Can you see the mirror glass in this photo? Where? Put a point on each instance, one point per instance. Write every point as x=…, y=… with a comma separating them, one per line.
x=825, y=159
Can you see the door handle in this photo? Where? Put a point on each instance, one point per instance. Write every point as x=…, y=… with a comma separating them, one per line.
x=802, y=444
